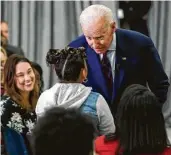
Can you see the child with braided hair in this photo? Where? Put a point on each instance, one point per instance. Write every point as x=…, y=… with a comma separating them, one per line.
x=69, y=93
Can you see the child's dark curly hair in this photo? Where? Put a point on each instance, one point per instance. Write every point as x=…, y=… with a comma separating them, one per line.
x=68, y=62
x=63, y=132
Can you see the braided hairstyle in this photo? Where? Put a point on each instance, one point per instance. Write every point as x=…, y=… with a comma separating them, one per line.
x=68, y=62
x=140, y=123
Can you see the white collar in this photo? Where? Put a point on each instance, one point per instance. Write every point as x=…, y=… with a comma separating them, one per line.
x=112, y=45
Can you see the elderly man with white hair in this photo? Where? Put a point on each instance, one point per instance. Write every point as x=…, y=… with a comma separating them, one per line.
x=117, y=58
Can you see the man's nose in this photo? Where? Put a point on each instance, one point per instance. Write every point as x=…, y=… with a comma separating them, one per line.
x=95, y=43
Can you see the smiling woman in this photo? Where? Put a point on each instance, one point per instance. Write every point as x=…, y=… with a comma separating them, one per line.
x=18, y=104
x=25, y=77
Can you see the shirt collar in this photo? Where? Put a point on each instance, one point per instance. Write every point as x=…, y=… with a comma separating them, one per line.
x=113, y=44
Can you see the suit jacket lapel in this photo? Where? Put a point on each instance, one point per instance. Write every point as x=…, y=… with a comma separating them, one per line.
x=119, y=62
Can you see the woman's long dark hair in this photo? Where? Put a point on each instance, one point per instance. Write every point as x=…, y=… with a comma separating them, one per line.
x=68, y=62
x=38, y=68
x=140, y=124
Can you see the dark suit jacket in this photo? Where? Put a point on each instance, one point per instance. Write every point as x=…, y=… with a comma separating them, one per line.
x=137, y=62
x=134, y=11
x=13, y=50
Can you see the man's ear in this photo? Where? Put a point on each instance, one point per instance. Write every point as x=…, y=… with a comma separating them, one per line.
x=113, y=26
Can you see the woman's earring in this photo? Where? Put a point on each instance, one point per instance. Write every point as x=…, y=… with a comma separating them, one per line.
x=85, y=80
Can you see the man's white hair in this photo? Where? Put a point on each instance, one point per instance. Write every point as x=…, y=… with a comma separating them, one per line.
x=94, y=13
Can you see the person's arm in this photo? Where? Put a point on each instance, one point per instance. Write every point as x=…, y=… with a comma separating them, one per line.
x=154, y=72
x=11, y=115
x=106, y=121
x=6, y=112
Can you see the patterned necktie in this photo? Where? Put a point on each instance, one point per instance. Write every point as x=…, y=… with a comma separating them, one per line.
x=107, y=72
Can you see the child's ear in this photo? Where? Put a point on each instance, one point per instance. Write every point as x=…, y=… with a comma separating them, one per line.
x=84, y=73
